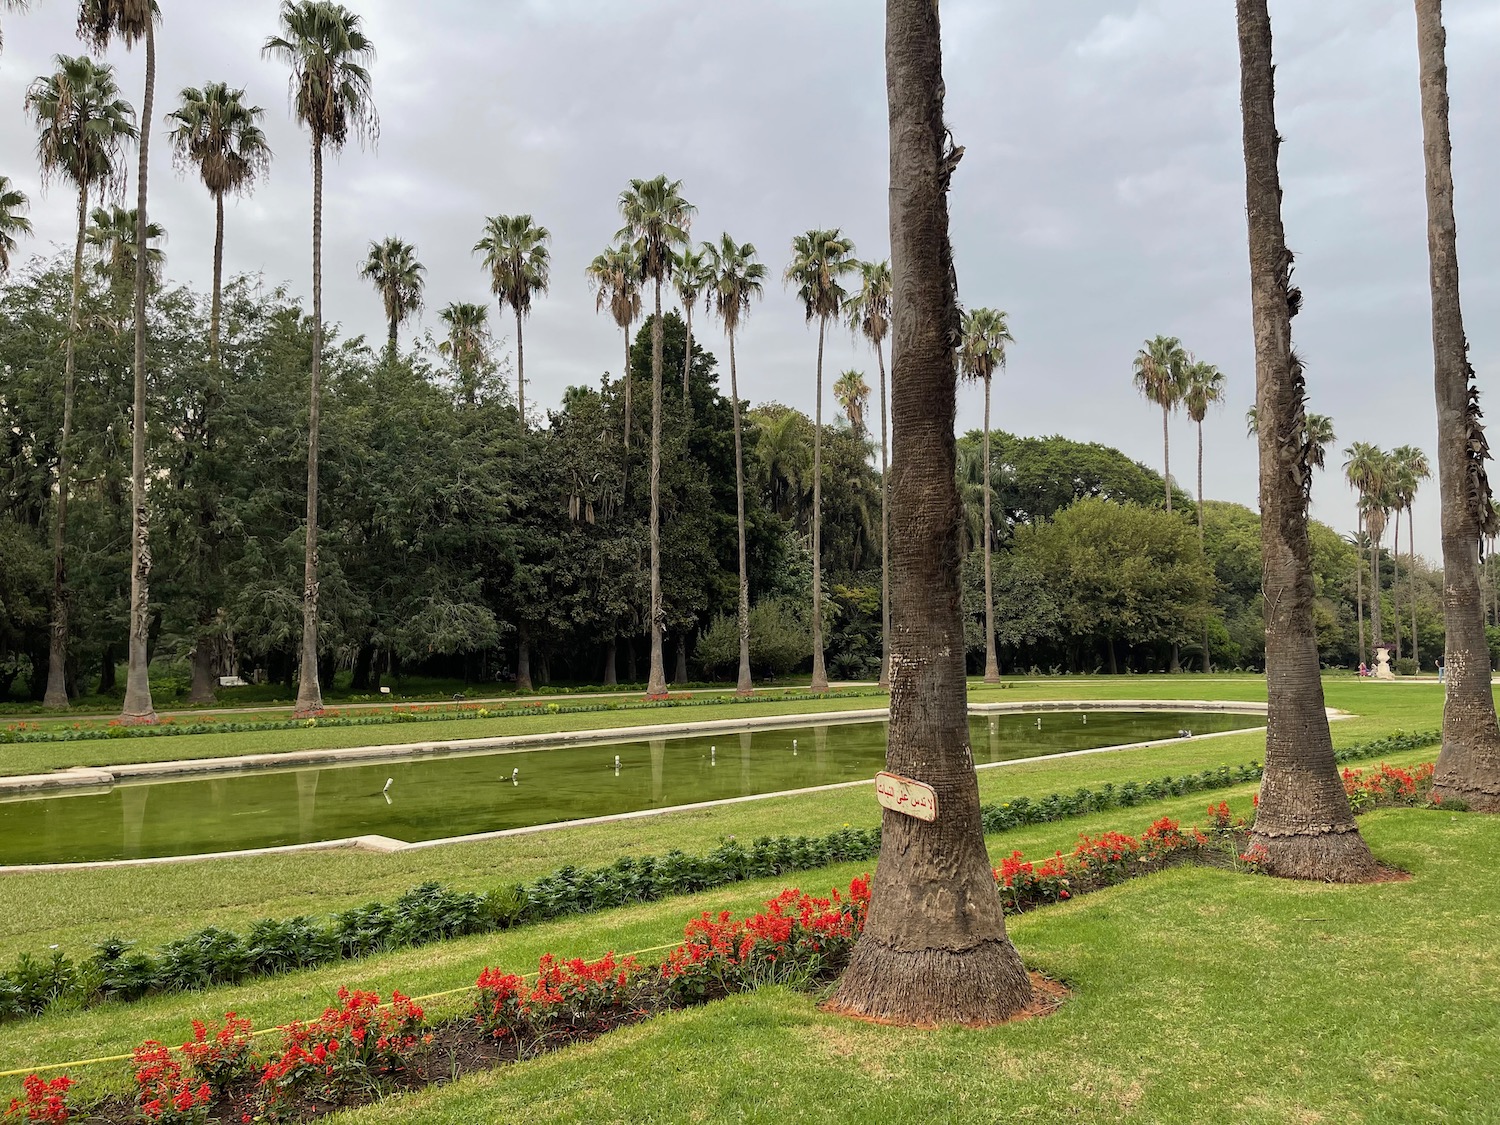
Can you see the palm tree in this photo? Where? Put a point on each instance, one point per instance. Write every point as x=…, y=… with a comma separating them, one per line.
x=1303, y=825
x=215, y=130
x=520, y=265
x=734, y=279
x=852, y=394
x=1468, y=767
x=657, y=219
x=392, y=267
x=689, y=279
x=13, y=204
x=1159, y=367
x=111, y=235
x=981, y=353
x=100, y=22
x=819, y=259
x=1317, y=436
x=783, y=452
x=1412, y=468
x=1367, y=468
x=325, y=47
x=1203, y=386
x=934, y=948
x=615, y=278
x=869, y=312
x=83, y=127
x=467, y=345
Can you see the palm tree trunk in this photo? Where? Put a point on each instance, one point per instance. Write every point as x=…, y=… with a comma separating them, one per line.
x=1468, y=767
x=1207, y=660
x=216, y=309
x=1396, y=584
x=657, y=684
x=625, y=461
x=56, y=697
x=1303, y=823
x=309, y=691
x=1376, y=630
x=934, y=947
x=991, y=662
x=392, y=338
x=138, y=707
x=743, y=685
x=819, y=672
x=1411, y=578
x=885, y=533
x=204, y=687
x=687, y=359
x=520, y=371
x=1166, y=458
x=1359, y=586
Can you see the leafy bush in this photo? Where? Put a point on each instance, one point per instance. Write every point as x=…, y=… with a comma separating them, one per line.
x=1406, y=666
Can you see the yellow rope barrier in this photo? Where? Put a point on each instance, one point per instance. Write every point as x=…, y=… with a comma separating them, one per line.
x=75, y=1065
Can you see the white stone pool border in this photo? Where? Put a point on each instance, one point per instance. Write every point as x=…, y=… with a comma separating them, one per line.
x=386, y=844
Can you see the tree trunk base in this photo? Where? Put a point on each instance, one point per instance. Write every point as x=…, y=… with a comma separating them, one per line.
x=1325, y=855
x=984, y=985
x=203, y=674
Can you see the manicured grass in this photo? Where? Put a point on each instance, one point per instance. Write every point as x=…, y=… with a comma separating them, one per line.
x=153, y=904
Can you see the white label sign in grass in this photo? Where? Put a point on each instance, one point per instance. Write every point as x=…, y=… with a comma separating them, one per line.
x=903, y=795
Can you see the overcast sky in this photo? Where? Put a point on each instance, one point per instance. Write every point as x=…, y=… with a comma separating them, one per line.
x=1100, y=202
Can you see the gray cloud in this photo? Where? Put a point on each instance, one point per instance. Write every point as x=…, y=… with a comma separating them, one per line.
x=1100, y=201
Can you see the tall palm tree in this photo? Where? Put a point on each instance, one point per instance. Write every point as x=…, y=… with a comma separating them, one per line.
x=1203, y=387
x=852, y=394
x=615, y=278
x=868, y=310
x=1367, y=468
x=100, y=22
x=690, y=279
x=783, y=452
x=1158, y=375
x=820, y=259
x=520, y=265
x=1468, y=767
x=467, y=345
x=657, y=219
x=392, y=267
x=734, y=279
x=1412, y=469
x=1303, y=825
x=13, y=221
x=327, y=51
x=111, y=235
x=981, y=352
x=83, y=126
x=934, y=948
x=217, y=131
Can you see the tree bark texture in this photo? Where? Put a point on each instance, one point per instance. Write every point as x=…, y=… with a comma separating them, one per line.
x=56, y=697
x=743, y=685
x=1303, y=823
x=1468, y=766
x=138, y=707
x=819, y=672
x=885, y=530
x=309, y=691
x=934, y=949
x=657, y=683
x=991, y=661
x=1166, y=457
x=520, y=371
x=625, y=458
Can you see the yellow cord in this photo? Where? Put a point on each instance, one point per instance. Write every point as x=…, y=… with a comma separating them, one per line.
x=269, y=1030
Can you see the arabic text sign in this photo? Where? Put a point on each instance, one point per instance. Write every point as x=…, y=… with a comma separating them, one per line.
x=903, y=795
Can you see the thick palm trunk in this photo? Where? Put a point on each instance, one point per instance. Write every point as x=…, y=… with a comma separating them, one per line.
x=991, y=662
x=1411, y=578
x=138, y=707
x=657, y=683
x=743, y=685
x=520, y=370
x=309, y=691
x=56, y=697
x=934, y=947
x=819, y=672
x=1468, y=767
x=392, y=338
x=1202, y=550
x=885, y=532
x=1303, y=823
x=1166, y=458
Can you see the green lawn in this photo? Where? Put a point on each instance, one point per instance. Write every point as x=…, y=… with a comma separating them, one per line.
x=1228, y=954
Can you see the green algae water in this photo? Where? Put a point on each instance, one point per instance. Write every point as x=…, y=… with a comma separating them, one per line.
x=440, y=795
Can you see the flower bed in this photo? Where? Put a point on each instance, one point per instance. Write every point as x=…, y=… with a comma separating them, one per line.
x=430, y=912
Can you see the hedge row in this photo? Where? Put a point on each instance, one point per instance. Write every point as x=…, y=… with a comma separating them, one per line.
x=431, y=912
